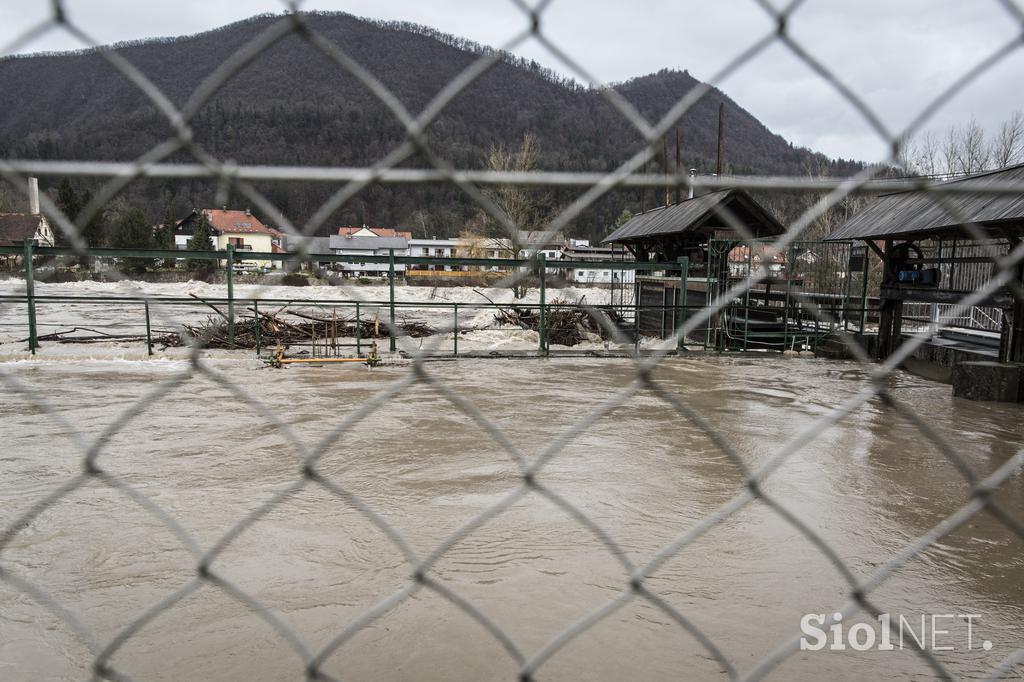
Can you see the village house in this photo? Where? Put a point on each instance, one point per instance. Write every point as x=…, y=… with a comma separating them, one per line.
x=536, y=240
x=581, y=250
x=435, y=248
x=241, y=229
x=472, y=246
x=15, y=228
x=365, y=231
x=362, y=245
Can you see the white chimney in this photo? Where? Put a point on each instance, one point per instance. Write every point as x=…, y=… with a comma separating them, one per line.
x=33, y=196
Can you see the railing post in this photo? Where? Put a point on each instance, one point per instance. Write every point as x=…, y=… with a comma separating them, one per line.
x=746, y=294
x=256, y=316
x=542, y=270
x=455, y=339
x=864, y=291
x=684, y=276
x=231, y=294
x=359, y=329
x=149, y=332
x=30, y=297
x=391, y=287
x=636, y=313
x=790, y=269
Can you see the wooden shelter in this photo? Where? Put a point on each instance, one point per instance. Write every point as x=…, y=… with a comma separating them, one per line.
x=929, y=255
x=684, y=229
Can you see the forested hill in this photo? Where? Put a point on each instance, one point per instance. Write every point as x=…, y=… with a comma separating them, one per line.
x=293, y=106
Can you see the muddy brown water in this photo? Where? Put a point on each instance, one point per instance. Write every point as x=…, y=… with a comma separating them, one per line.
x=869, y=486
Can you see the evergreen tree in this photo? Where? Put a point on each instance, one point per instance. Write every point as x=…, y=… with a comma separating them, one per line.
x=95, y=231
x=201, y=240
x=132, y=231
x=623, y=218
x=70, y=204
x=163, y=237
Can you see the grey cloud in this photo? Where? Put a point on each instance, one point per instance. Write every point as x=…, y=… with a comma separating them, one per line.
x=896, y=55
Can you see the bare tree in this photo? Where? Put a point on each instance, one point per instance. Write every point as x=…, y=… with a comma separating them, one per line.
x=521, y=207
x=924, y=154
x=514, y=200
x=972, y=153
x=1008, y=145
x=951, y=150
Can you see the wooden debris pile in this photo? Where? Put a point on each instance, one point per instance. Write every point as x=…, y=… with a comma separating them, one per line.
x=166, y=339
x=308, y=328
x=566, y=326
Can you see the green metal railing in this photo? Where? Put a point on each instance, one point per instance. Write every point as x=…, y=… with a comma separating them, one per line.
x=815, y=301
x=228, y=257
x=720, y=334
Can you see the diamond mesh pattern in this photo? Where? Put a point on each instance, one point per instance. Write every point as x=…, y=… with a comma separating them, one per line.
x=860, y=587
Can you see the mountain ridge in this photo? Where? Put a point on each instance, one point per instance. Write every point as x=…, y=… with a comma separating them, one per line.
x=291, y=106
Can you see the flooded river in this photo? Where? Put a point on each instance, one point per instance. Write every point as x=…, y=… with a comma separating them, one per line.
x=869, y=486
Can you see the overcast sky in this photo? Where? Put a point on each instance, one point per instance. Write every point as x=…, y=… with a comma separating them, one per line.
x=897, y=54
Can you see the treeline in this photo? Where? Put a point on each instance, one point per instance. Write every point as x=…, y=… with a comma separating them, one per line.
x=122, y=225
x=965, y=149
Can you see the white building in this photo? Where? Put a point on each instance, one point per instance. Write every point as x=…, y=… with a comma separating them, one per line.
x=535, y=240
x=349, y=245
x=581, y=251
x=435, y=248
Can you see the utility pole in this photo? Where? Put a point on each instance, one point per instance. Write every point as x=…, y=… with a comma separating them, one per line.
x=668, y=184
x=679, y=165
x=721, y=136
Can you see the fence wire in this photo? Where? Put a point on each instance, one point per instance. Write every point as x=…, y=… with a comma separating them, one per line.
x=861, y=588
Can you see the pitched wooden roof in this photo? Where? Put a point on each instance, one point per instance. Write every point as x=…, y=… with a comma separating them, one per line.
x=698, y=216
x=15, y=228
x=916, y=213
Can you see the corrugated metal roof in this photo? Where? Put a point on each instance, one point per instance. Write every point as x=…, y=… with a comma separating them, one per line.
x=534, y=239
x=339, y=243
x=315, y=245
x=692, y=214
x=915, y=212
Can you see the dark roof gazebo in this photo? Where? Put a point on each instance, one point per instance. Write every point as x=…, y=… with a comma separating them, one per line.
x=684, y=229
x=913, y=214
x=929, y=255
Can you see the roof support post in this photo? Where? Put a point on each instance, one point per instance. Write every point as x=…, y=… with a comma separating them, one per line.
x=1011, y=340
x=886, y=310
x=684, y=274
x=874, y=247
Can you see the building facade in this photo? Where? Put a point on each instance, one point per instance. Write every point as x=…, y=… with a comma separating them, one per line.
x=241, y=229
x=351, y=245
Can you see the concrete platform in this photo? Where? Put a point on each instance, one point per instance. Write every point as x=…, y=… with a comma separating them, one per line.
x=989, y=380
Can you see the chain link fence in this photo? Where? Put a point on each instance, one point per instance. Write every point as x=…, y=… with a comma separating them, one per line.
x=422, y=577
